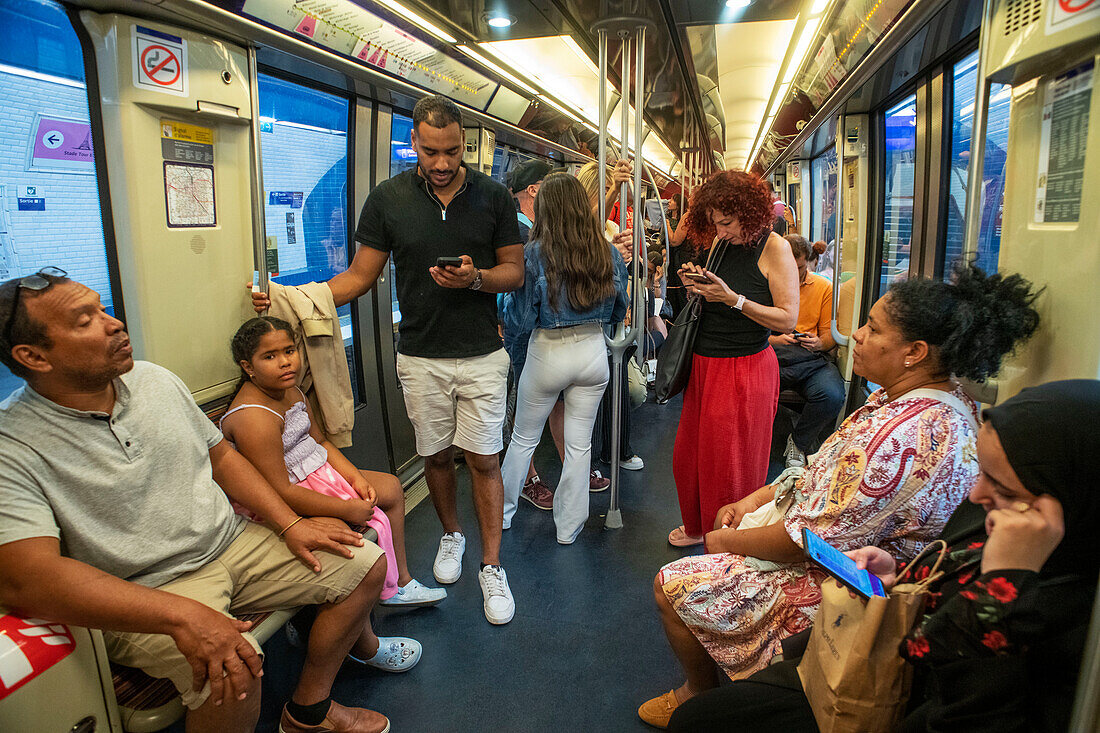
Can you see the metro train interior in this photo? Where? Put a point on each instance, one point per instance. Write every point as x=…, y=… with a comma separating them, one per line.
x=164, y=152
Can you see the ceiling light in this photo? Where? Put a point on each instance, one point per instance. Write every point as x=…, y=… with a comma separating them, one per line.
x=580, y=54
x=498, y=69
x=560, y=108
x=498, y=19
x=417, y=20
x=738, y=4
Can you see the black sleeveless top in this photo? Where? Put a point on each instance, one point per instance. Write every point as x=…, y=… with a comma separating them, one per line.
x=723, y=331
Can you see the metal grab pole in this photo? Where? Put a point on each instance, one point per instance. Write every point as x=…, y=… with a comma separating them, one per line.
x=977, y=142
x=624, y=28
x=623, y=334
x=640, y=260
x=602, y=155
x=259, y=241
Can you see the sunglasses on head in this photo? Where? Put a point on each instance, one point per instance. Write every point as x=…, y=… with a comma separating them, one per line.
x=36, y=282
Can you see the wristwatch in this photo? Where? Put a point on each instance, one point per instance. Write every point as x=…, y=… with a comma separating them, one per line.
x=476, y=284
x=740, y=302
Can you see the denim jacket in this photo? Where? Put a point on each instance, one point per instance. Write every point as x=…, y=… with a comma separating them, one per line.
x=529, y=307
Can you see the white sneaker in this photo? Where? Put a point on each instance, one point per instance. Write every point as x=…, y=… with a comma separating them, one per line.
x=634, y=463
x=448, y=559
x=499, y=604
x=792, y=456
x=415, y=594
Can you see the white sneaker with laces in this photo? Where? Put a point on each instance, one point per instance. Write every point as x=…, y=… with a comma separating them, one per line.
x=448, y=559
x=634, y=463
x=415, y=594
x=500, y=607
x=792, y=456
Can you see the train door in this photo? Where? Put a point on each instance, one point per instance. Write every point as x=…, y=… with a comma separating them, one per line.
x=308, y=216
x=394, y=154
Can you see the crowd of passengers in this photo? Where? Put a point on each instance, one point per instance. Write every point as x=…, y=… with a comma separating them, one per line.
x=123, y=508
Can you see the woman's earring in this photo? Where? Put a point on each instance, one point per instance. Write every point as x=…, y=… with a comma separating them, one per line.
x=906, y=365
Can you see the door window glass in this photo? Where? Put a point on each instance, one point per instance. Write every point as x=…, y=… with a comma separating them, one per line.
x=823, y=203
x=304, y=149
x=964, y=86
x=901, y=149
x=402, y=158
x=49, y=195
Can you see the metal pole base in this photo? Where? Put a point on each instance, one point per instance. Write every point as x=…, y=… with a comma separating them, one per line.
x=614, y=519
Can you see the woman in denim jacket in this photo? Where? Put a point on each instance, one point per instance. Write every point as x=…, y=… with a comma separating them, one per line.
x=574, y=284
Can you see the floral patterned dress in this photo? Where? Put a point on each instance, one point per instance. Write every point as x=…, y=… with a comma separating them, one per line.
x=890, y=476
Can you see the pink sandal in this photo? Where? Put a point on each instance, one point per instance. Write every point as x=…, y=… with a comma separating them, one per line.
x=679, y=538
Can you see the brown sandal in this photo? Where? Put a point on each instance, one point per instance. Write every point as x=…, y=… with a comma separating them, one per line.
x=679, y=538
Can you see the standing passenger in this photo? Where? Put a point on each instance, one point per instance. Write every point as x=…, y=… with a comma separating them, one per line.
x=589, y=177
x=575, y=282
x=525, y=182
x=721, y=451
x=450, y=361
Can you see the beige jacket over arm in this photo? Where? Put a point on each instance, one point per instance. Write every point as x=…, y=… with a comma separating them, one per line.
x=325, y=377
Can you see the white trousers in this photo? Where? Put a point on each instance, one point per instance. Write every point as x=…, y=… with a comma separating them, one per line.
x=574, y=361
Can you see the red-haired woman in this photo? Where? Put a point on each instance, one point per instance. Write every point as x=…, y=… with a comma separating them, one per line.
x=722, y=444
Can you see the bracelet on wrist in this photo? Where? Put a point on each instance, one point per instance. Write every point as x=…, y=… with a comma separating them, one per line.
x=284, y=530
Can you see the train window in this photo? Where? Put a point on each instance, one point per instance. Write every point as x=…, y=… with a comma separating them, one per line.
x=964, y=81
x=823, y=201
x=901, y=149
x=304, y=150
x=49, y=197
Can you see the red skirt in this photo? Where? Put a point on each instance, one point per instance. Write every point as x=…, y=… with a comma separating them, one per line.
x=725, y=434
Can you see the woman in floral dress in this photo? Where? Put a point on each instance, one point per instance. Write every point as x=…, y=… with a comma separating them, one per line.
x=1000, y=644
x=889, y=477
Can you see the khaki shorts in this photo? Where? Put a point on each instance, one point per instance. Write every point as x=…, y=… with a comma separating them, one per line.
x=256, y=573
x=456, y=401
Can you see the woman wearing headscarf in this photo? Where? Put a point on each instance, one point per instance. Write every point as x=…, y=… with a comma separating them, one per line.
x=1000, y=643
x=890, y=476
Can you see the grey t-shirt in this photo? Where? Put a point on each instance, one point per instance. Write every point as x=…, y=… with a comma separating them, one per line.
x=130, y=493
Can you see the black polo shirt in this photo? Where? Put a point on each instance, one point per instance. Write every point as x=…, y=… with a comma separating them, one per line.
x=404, y=217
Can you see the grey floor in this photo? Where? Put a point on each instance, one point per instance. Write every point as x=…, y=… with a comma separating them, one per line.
x=585, y=647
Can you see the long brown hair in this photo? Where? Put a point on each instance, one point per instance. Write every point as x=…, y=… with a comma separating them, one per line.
x=574, y=251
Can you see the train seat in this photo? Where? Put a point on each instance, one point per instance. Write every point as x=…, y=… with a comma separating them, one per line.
x=147, y=704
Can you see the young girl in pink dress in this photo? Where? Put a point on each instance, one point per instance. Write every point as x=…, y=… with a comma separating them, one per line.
x=270, y=423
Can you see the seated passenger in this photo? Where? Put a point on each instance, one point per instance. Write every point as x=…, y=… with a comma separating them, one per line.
x=803, y=364
x=282, y=440
x=113, y=515
x=999, y=646
x=890, y=476
x=655, y=329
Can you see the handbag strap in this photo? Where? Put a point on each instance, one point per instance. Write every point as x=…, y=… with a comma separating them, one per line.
x=933, y=574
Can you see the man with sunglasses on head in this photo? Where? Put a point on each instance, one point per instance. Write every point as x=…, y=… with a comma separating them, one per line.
x=115, y=514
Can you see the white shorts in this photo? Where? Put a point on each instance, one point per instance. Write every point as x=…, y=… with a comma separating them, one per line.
x=456, y=401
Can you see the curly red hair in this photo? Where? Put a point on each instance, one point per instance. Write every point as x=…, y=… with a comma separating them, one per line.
x=733, y=193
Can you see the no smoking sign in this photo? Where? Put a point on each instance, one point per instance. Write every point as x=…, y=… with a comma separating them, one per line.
x=160, y=61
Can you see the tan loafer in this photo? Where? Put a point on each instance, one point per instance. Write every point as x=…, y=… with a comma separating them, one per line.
x=339, y=720
x=658, y=711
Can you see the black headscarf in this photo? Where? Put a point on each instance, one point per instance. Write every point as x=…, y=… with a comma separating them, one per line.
x=1051, y=436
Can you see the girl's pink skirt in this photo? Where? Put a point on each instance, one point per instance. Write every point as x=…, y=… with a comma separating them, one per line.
x=325, y=480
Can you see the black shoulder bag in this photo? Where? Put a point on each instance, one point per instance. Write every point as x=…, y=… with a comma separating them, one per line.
x=674, y=359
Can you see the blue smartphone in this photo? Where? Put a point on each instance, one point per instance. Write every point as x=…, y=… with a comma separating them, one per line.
x=841, y=567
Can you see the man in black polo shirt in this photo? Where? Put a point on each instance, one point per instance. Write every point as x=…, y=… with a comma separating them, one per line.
x=452, y=366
